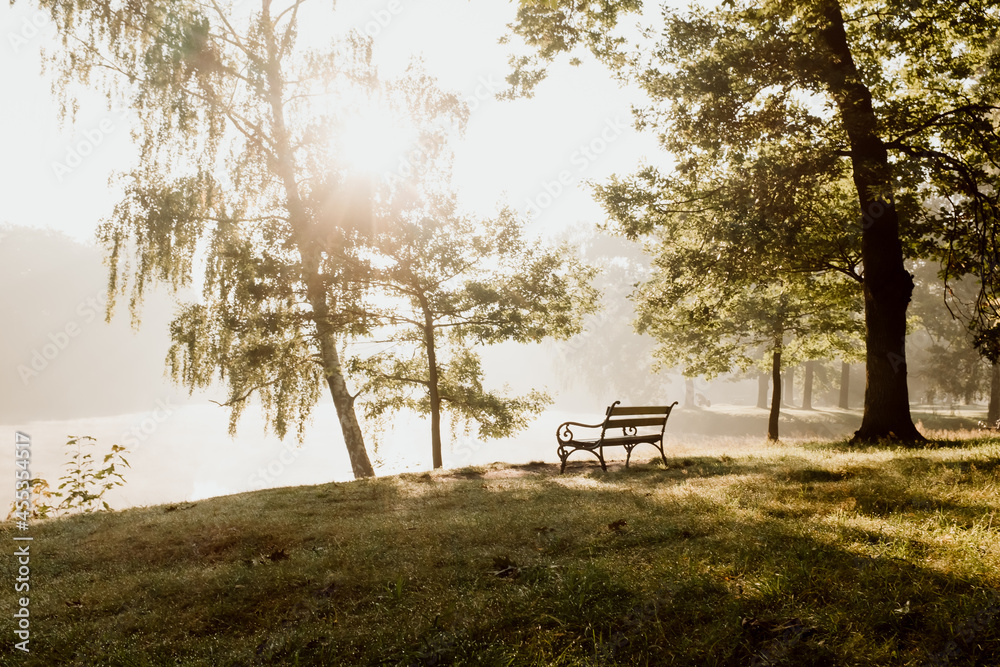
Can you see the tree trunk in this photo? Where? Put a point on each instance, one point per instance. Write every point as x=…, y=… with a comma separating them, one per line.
x=807, y=385
x=316, y=287
x=788, y=387
x=973, y=383
x=993, y=414
x=887, y=284
x=772, y=421
x=762, y=382
x=688, y=392
x=432, y=389
x=845, y=385
x=354, y=439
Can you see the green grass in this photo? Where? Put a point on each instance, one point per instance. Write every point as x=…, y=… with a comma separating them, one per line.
x=739, y=553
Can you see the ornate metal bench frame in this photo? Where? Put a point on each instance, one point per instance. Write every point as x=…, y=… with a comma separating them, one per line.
x=629, y=420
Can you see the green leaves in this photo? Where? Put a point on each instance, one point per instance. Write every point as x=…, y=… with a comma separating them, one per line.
x=399, y=380
x=749, y=247
x=444, y=284
x=553, y=27
x=750, y=102
x=83, y=486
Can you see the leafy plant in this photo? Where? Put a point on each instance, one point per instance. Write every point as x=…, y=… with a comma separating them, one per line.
x=82, y=488
x=451, y=284
x=41, y=501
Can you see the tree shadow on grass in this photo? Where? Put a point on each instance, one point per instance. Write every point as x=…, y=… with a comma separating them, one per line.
x=715, y=561
x=690, y=467
x=892, y=489
x=697, y=582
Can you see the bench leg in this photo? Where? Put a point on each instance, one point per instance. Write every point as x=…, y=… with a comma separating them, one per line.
x=600, y=455
x=662, y=455
x=628, y=455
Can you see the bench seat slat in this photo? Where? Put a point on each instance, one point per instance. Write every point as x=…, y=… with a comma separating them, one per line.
x=590, y=443
x=624, y=440
x=640, y=410
x=634, y=421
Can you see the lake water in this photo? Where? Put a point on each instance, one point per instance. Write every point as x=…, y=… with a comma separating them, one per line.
x=183, y=452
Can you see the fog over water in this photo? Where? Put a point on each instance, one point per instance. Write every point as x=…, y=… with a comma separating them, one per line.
x=67, y=372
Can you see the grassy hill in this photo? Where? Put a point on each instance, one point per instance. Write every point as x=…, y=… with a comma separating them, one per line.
x=736, y=553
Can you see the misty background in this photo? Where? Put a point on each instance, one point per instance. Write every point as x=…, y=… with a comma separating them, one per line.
x=65, y=371
x=68, y=372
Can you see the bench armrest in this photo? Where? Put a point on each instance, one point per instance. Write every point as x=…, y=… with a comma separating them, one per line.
x=564, y=433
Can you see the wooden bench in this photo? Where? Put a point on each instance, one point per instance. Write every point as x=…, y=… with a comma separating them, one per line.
x=640, y=425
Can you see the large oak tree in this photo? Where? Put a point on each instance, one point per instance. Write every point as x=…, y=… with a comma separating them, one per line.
x=875, y=85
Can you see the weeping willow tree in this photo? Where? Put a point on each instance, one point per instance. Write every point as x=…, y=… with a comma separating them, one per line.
x=242, y=185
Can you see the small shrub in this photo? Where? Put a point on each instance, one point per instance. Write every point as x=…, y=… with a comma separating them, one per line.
x=82, y=488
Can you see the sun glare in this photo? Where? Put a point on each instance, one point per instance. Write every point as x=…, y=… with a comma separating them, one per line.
x=375, y=142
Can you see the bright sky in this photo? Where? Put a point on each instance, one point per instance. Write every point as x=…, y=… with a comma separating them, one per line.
x=533, y=154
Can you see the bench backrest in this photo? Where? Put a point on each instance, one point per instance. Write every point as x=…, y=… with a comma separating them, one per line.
x=631, y=418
